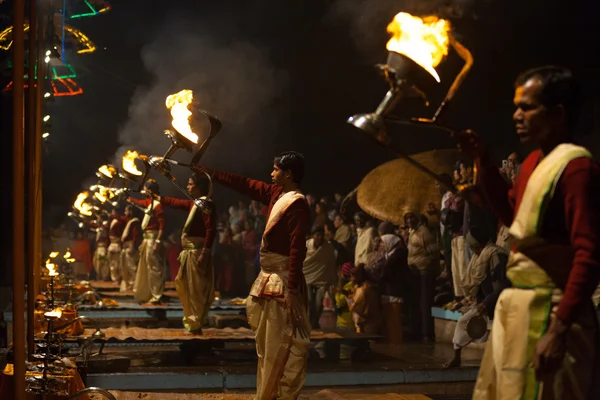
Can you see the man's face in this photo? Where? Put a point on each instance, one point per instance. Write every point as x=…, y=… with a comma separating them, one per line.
x=318, y=239
x=193, y=189
x=466, y=172
x=532, y=120
x=411, y=220
x=128, y=212
x=512, y=161
x=359, y=221
x=278, y=176
x=337, y=221
x=310, y=200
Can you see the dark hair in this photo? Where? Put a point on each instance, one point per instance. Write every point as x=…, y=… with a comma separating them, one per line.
x=317, y=229
x=129, y=207
x=386, y=228
x=559, y=87
x=152, y=185
x=201, y=181
x=291, y=161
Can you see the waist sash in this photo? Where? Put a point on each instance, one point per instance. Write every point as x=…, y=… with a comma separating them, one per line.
x=273, y=277
x=150, y=235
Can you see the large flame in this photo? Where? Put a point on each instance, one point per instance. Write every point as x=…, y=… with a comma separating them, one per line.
x=423, y=40
x=81, y=206
x=108, y=170
x=129, y=162
x=178, y=104
x=103, y=194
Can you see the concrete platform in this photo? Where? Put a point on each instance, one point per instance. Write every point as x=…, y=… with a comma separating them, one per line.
x=166, y=368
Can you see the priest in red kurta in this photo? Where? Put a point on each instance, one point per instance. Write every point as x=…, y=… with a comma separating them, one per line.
x=544, y=336
x=277, y=306
x=150, y=277
x=115, y=230
x=100, y=259
x=129, y=255
x=195, y=279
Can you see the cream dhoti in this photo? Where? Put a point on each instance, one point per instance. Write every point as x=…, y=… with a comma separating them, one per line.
x=114, y=258
x=100, y=262
x=129, y=264
x=149, y=280
x=282, y=353
x=521, y=317
x=194, y=282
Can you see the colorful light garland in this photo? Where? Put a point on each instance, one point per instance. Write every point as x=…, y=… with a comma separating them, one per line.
x=92, y=11
x=60, y=87
x=88, y=46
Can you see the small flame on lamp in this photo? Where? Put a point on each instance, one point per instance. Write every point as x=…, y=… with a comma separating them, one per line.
x=54, y=254
x=423, y=40
x=67, y=254
x=103, y=194
x=178, y=104
x=81, y=206
x=56, y=313
x=107, y=170
x=51, y=269
x=129, y=162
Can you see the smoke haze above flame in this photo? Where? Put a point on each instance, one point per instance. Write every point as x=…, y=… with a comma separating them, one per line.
x=233, y=79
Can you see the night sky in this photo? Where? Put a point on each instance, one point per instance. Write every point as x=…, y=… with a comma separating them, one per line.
x=286, y=75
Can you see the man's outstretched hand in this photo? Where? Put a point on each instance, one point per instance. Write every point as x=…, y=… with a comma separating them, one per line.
x=295, y=307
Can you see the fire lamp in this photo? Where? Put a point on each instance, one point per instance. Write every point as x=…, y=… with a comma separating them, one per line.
x=416, y=47
x=183, y=136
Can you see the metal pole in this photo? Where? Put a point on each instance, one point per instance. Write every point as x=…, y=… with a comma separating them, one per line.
x=18, y=303
x=31, y=175
x=39, y=93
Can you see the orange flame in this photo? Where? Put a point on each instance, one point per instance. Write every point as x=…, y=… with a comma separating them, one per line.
x=56, y=313
x=107, y=170
x=103, y=194
x=129, y=162
x=423, y=40
x=178, y=104
x=81, y=206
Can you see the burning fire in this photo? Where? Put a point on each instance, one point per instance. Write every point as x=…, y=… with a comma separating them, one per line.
x=425, y=41
x=81, y=206
x=51, y=269
x=103, y=194
x=129, y=162
x=108, y=171
x=56, y=313
x=178, y=104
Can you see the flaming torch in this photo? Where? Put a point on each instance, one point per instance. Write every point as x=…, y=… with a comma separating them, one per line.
x=416, y=48
x=184, y=137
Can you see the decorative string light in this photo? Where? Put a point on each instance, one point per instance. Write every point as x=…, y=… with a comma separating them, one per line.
x=92, y=11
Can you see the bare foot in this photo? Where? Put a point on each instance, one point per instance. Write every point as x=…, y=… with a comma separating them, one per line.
x=455, y=362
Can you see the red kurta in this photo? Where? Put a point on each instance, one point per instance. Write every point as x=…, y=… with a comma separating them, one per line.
x=116, y=228
x=101, y=229
x=203, y=225
x=133, y=234
x=288, y=235
x=157, y=219
x=571, y=218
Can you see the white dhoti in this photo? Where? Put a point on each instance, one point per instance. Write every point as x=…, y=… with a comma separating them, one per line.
x=149, y=280
x=461, y=337
x=129, y=264
x=114, y=258
x=282, y=353
x=100, y=263
x=459, y=265
x=194, y=283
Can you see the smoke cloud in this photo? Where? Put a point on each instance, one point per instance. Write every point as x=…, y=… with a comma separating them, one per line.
x=368, y=19
x=231, y=78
